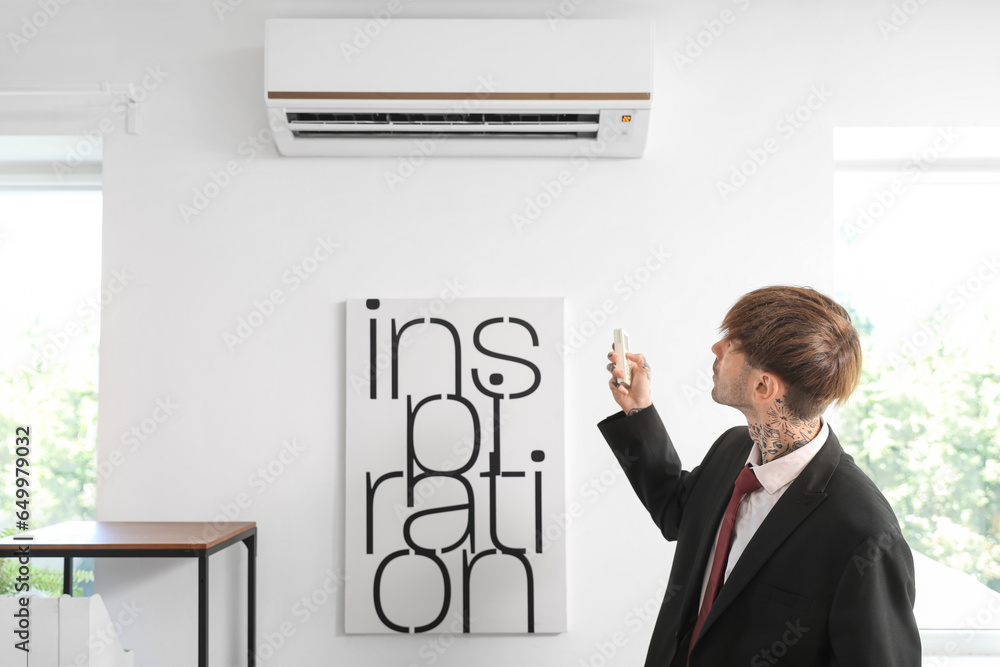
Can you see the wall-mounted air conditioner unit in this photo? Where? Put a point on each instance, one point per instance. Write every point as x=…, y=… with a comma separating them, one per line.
x=459, y=87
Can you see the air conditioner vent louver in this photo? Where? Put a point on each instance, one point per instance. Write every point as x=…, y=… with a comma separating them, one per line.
x=459, y=87
x=458, y=117
x=466, y=125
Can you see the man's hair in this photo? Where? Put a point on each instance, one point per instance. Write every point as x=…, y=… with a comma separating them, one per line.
x=805, y=338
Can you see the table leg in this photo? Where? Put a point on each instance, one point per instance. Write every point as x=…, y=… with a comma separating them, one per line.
x=251, y=543
x=68, y=575
x=202, y=611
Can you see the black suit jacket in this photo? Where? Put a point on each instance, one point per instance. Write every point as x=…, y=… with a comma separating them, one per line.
x=827, y=579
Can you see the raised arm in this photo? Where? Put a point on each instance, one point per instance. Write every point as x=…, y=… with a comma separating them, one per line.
x=640, y=442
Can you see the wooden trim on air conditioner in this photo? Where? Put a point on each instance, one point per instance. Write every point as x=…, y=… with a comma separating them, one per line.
x=284, y=95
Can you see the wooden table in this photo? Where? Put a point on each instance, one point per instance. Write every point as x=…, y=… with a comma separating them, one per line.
x=144, y=539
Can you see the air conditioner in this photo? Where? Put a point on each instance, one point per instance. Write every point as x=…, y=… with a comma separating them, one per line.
x=387, y=86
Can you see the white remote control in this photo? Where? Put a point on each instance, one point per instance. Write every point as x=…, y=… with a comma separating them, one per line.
x=621, y=349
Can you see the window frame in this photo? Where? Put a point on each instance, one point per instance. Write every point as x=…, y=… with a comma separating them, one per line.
x=973, y=158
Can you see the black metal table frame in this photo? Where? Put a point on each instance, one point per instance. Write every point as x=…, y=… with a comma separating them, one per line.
x=248, y=537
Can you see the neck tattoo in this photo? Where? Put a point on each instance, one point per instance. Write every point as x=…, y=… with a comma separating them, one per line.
x=780, y=432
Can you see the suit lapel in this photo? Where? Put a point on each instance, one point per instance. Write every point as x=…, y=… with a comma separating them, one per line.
x=798, y=502
x=725, y=481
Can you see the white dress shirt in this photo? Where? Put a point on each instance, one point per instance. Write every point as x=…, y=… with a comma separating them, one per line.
x=775, y=477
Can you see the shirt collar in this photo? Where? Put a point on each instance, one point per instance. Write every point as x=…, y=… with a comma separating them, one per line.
x=779, y=473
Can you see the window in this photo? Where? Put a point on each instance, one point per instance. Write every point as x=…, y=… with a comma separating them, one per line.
x=50, y=299
x=917, y=260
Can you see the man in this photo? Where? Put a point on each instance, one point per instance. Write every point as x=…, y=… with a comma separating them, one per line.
x=787, y=554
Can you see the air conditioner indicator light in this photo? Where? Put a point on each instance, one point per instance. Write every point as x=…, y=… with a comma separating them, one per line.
x=626, y=119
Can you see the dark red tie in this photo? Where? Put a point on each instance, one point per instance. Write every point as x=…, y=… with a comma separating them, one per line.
x=747, y=482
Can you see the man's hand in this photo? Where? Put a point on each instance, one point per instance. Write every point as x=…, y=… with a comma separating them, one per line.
x=634, y=398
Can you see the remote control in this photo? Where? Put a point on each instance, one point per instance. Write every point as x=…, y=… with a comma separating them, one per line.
x=621, y=349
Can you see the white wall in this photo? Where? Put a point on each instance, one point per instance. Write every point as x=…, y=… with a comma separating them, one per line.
x=451, y=221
